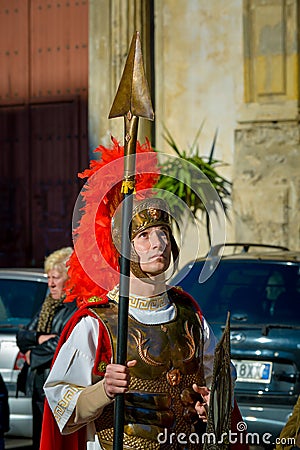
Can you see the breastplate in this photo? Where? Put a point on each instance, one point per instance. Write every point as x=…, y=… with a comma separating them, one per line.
x=169, y=361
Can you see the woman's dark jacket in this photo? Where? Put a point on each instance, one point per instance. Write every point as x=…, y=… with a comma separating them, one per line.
x=4, y=408
x=42, y=354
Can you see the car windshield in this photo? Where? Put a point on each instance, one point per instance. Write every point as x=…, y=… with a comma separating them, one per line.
x=254, y=292
x=19, y=300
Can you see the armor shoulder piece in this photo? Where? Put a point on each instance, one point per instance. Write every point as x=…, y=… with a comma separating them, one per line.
x=105, y=347
x=178, y=294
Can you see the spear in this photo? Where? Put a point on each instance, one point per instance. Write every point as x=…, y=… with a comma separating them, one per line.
x=132, y=101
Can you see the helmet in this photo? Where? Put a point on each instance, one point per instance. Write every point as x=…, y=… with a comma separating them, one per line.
x=150, y=212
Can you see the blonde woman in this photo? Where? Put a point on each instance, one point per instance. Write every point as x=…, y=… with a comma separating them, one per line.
x=38, y=341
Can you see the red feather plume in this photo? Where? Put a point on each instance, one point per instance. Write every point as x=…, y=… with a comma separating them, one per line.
x=94, y=264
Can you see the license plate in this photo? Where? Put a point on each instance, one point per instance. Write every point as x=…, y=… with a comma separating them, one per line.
x=253, y=371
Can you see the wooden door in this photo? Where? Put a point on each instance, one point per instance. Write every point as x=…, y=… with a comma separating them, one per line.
x=43, y=124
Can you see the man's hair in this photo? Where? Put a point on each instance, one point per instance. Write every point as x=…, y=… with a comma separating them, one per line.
x=57, y=260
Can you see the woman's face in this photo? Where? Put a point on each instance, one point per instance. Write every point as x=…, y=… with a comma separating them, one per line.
x=56, y=281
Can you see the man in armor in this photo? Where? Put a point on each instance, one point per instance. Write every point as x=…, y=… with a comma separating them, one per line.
x=170, y=354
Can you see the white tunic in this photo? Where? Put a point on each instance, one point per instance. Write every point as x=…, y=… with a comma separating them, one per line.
x=72, y=369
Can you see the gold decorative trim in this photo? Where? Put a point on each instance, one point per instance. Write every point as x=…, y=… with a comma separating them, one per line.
x=102, y=366
x=64, y=402
x=94, y=299
x=128, y=186
x=143, y=351
x=142, y=303
x=190, y=342
x=148, y=213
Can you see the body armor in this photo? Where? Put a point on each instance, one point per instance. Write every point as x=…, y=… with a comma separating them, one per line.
x=160, y=398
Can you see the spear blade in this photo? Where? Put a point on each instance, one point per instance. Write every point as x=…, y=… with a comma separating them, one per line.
x=133, y=92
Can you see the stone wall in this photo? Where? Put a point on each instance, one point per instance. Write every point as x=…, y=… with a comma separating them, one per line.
x=267, y=184
x=232, y=65
x=266, y=169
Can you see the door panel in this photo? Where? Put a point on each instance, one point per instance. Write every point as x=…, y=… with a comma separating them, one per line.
x=54, y=165
x=14, y=180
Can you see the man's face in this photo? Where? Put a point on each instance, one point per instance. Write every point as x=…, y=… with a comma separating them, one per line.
x=153, y=247
x=56, y=281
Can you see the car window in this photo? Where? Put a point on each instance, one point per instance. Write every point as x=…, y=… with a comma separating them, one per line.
x=20, y=300
x=253, y=291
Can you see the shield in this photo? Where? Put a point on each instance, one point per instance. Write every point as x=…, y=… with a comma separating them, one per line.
x=220, y=405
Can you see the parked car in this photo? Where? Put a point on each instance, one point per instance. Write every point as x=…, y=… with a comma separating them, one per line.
x=22, y=292
x=260, y=286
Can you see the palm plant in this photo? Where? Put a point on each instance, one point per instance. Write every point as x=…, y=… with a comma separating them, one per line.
x=179, y=178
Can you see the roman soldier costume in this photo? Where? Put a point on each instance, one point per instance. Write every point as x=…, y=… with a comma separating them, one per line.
x=167, y=336
x=169, y=359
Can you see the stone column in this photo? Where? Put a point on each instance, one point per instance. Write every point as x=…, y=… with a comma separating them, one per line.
x=112, y=24
x=266, y=190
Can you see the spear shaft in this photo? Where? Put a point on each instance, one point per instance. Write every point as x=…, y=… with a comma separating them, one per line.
x=128, y=189
x=132, y=101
